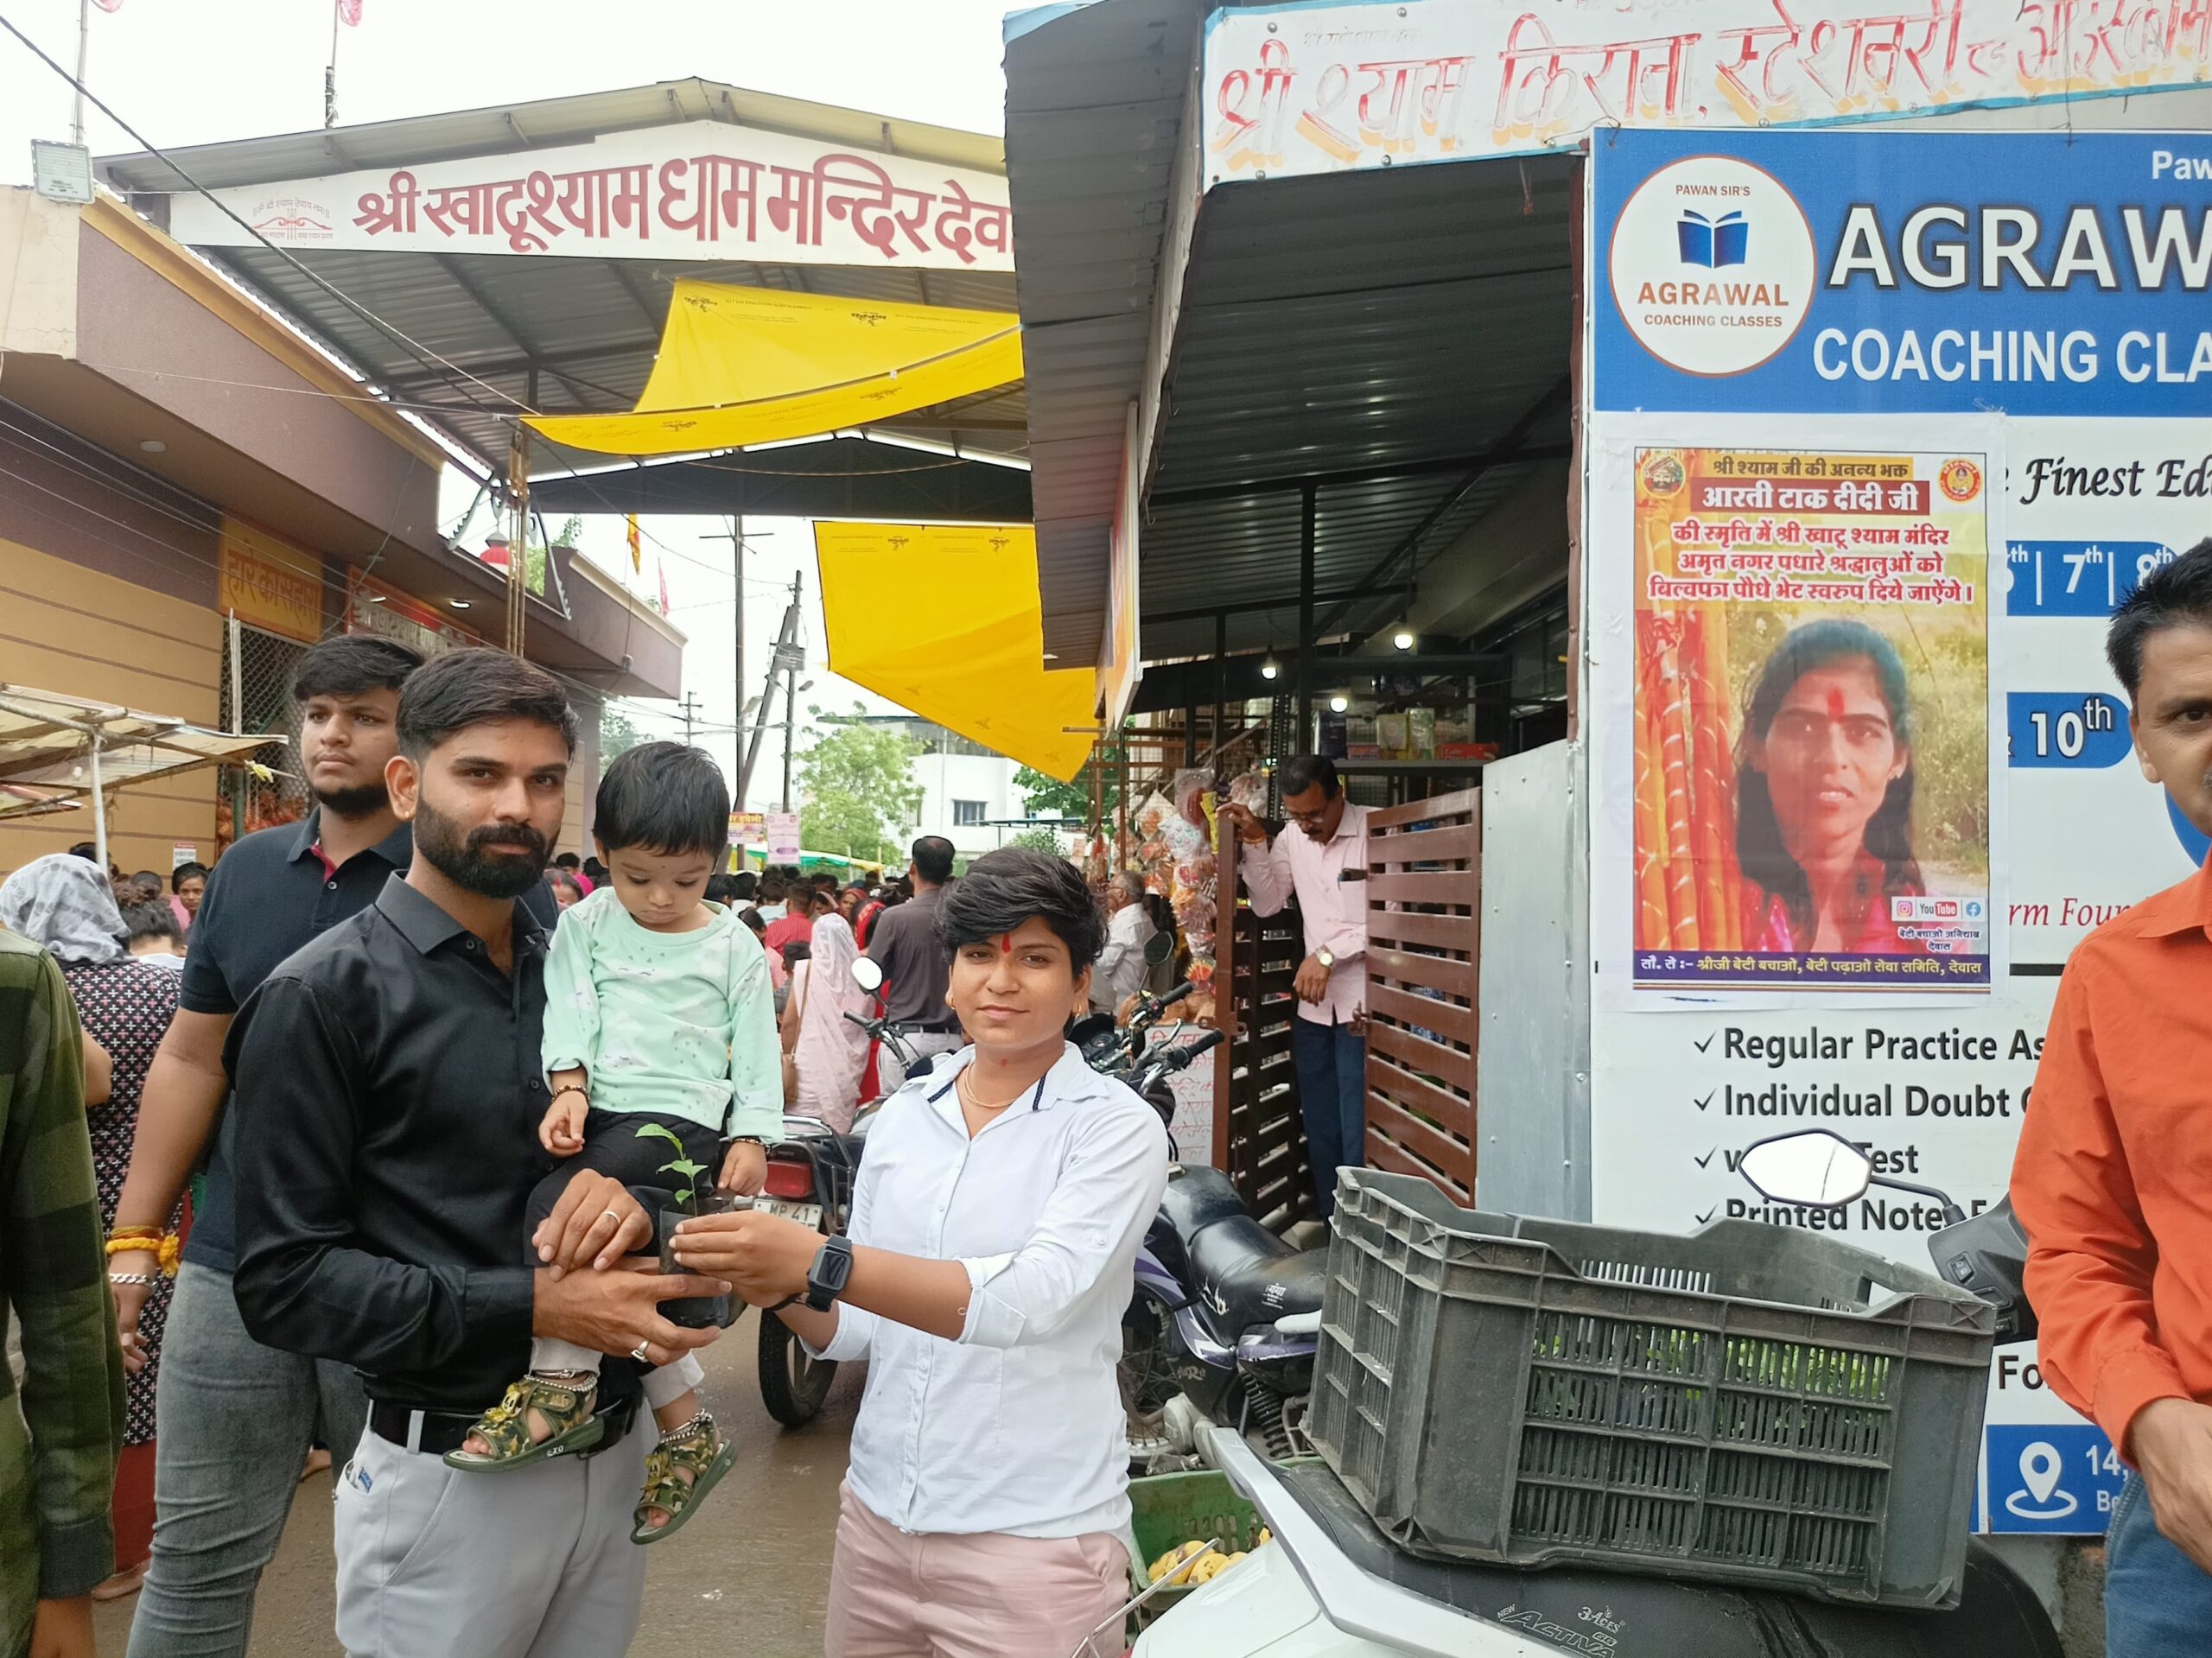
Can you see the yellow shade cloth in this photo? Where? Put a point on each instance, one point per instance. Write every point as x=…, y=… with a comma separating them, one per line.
x=944, y=620
x=741, y=366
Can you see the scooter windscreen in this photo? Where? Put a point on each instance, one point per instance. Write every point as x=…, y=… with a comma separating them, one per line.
x=1988, y=1254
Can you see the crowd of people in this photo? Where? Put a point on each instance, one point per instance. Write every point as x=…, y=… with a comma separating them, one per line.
x=339, y=1155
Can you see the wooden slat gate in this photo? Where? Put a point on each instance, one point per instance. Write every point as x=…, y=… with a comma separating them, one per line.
x=1259, y=1140
x=1424, y=898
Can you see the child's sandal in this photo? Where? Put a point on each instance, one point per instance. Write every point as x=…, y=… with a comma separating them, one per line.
x=705, y=1455
x=505, y=1427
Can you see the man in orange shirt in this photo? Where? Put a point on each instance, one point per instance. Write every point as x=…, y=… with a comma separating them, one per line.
x=2113, y=1180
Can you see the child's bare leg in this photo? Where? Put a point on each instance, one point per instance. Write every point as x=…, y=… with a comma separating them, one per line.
x=563, y=1363
x=677, y=1411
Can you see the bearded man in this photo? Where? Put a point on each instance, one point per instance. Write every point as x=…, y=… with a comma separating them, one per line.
x=390, y=1091
x=235, y=1419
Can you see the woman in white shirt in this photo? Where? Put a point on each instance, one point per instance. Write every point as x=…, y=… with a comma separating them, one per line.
x=995, y=1230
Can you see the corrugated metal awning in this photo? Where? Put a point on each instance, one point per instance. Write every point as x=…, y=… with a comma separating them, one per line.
x=1399, y=340
x=552, y=334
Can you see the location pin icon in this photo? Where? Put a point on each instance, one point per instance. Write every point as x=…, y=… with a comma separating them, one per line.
x=2039, y=1471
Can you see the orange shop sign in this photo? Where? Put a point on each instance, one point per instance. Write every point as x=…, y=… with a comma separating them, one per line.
x=268, y=584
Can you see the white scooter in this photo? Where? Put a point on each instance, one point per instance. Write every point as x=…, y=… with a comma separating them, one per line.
x=1332, y=1586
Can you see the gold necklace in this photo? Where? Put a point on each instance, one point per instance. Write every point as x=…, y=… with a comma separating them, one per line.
x=968, y=1095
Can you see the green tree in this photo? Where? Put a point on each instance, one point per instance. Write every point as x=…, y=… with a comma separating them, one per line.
x=618, y=733
x=857, y=792
x=1040, y=793
x=1039, y=839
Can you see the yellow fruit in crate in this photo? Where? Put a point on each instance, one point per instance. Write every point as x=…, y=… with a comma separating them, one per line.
x=1207, y=1570
x=1174, y=1557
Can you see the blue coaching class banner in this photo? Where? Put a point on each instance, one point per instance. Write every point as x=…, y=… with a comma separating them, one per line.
x=2038, y=274
x=2027, y=314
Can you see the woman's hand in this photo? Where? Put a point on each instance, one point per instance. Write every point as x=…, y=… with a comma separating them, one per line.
x=765, y=1256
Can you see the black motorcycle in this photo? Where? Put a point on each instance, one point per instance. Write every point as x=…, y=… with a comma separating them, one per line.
x=1225, y=1314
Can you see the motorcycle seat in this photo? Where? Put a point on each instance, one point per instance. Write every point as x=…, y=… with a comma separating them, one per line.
x=1241, y=1273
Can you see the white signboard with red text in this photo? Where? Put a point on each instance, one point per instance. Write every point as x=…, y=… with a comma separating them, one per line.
x=1296, y=89
x=696, y=190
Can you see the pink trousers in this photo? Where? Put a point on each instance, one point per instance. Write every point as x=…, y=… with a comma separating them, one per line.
x=987, y=1595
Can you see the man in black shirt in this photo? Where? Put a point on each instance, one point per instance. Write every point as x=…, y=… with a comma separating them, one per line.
x=904, y=943
x=390, y=1088
x=235, y=1418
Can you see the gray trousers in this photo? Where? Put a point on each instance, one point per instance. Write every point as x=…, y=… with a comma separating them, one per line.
x=533, y=1563
x=232, y=1420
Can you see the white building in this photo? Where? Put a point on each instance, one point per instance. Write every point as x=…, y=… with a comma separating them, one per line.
x=968, y=794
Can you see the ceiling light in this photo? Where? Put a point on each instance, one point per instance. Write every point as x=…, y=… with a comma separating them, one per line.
x=458, y=604
x=154, y=446
x=1051, y=655
x=1402, y=640
x=1338, y=704
x=1268, y=669
x=376, y=599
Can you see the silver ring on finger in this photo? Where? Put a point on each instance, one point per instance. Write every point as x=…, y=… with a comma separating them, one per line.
x=638, y=1354
x=609, y=1215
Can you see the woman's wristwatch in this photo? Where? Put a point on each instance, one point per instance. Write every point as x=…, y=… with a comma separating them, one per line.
x=826, y=1279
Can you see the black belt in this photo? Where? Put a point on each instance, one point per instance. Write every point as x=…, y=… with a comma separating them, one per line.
x=444, y=1429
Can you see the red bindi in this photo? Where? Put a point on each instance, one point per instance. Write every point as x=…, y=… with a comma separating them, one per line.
x=1836, y=704
x=1005, y=944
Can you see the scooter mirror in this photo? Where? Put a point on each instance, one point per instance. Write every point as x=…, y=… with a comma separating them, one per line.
x=1817, y=1167
x=867, y=975
x=1158, y=948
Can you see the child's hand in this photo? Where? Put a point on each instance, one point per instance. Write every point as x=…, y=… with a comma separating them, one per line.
x=745, y=1171
x=562, y=1131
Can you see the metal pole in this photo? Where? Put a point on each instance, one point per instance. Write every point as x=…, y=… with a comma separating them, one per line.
x=83, y=42
x=238, y=679
x=767, y=698
x=1305, y=551
x=737, y=592
x=1220, y=683
x=99, y=807
x=330, y=74
x=791, y=695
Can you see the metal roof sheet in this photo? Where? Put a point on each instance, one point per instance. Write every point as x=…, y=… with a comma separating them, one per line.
x=1368, y=322
x=539, y=122
x=588, y=328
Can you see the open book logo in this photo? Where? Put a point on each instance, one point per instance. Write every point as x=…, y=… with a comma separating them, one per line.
x=1713, y=243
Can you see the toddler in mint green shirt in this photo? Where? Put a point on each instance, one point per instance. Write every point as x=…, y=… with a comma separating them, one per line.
x=659, y=1034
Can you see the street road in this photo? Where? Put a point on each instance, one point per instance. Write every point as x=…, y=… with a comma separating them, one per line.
x=746, y=1577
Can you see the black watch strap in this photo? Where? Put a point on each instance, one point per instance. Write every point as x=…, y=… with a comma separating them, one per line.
x=833, y=1266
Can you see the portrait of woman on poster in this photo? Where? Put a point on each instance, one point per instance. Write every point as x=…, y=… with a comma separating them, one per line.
x=1824, y=770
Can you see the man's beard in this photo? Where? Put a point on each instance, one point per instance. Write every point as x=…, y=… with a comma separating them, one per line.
x=460, y=858
x=358, y=800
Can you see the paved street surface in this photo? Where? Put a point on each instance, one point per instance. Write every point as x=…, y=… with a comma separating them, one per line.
x=746, y=1577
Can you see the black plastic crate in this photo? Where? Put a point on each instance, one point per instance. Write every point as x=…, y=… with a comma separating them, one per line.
x=1750, y=1404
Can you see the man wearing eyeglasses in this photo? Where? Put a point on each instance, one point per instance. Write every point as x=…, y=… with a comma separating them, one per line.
x=1325, y=865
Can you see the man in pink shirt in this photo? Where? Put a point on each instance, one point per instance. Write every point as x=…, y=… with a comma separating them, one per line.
x=1325, y=865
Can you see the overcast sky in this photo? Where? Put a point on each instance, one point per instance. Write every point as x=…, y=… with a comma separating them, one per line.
x=190, y=72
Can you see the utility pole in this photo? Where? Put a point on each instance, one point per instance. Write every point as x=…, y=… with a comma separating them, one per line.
x=791, y=691
x=786, y=652
x=735, y=536
x=690, y=705
x=84, y=44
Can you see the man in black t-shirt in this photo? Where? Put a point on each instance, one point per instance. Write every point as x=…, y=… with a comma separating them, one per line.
x=904, y=943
